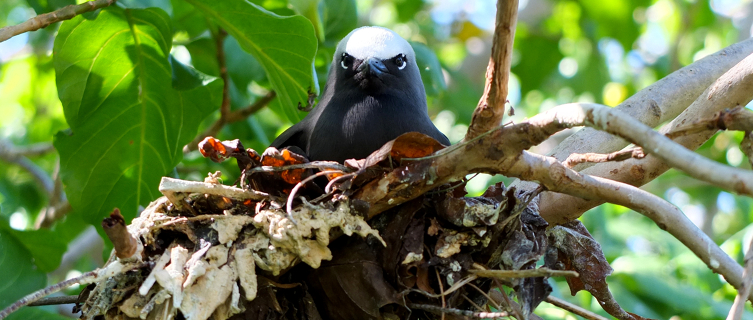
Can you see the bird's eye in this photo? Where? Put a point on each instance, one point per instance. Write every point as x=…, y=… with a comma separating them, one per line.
x=346, y=61
x=401, y=61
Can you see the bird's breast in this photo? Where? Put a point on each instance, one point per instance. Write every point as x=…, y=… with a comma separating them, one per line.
x=354, y=129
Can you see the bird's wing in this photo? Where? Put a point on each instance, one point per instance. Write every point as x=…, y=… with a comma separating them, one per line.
x=295, y=136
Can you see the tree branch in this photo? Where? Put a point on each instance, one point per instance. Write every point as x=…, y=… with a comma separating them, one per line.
x=12, y=154
x=491, y=106
x=738, y=307
x=659, y=102
x=44, y=20
x=732, y=89
x=654, y=143
x=556, y=177
x=738, y=118
x=233, y=116
x=562, y=304
x=622, y=155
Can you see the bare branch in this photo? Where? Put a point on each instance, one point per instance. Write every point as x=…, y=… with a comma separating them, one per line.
x=556, y=177
x=562, y=304
x=734, y=88
x=49, y=301
x=577, y=158
x=233, y=116
x=654, y=143
x=242, y=114
x=659, y=102
x=171, y=188
x=738, y=307
x=219, y=40
x=470, y=314
x=528, y=273
x=85, y=278
x=491, y=107
x=738, y=118
x=12, y=154
x=44, y=20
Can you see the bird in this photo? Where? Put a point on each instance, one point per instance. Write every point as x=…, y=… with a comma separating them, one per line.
x=373, y=94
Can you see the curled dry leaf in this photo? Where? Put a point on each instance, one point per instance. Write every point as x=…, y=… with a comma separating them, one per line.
x=573, y=248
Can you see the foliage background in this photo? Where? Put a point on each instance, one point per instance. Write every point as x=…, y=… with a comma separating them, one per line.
x=565, y=51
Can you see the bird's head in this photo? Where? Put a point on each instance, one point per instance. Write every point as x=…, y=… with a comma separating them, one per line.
x=376, y=59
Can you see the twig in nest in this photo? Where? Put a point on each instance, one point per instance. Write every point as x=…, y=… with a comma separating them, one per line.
x=441, y=310
x=486, y=295
x=737, y=118
x=578, y=158
x=298, y=186
x=321, y=165
x=50, y=301
x=738, y=307
x=515, y=308
x=331, y=184
x=562, y=304
x=479, y=308
x=452, y=289
x=441, y=291
x=532, y=273
x=171, y=188
x=115, y=229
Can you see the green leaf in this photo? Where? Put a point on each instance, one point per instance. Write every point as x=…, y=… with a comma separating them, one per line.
x=20, y=275
x=44, y=245
x=143, y=4
x=340, y=17
x=128, y=123
x=285, y=47
x=431, y=70
x=26, y=313
x=310, y=10
x=44, y=6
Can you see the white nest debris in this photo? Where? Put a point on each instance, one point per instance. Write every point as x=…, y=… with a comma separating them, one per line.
x=203, y=281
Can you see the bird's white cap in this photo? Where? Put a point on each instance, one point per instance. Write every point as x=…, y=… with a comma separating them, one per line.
x=374, y=42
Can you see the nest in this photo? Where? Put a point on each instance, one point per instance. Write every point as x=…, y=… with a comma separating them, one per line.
x=210, y=251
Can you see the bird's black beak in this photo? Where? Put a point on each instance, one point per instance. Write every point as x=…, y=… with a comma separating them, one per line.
x=372, y=66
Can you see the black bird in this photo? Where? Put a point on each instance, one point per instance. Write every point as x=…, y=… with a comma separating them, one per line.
x=374, y=93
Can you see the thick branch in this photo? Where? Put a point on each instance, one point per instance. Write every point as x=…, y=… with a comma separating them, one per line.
x=654, y=143
x=491, y=107
x=556, y=177
x=734, y=88
x=44, y=20
x=659, y=102
x=738, y=118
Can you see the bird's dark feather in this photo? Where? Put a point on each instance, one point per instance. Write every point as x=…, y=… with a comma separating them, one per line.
x=361, y=111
